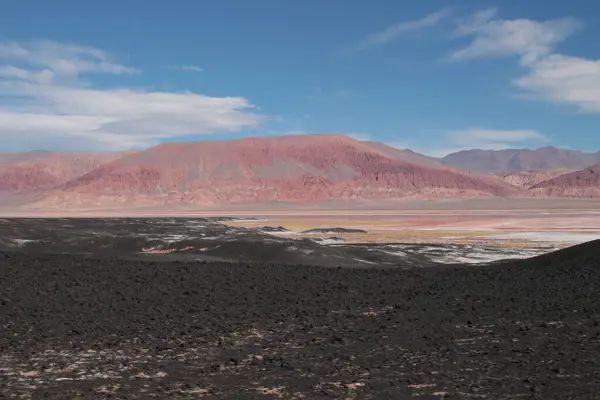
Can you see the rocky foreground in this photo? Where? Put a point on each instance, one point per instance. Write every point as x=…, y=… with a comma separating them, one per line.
x=80, y=328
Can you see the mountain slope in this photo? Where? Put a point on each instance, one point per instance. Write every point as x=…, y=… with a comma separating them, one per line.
x=305, y=168
x=38, y=170
x=405, y=155
x=528, y=179
x=502, y=161
x=584, y=183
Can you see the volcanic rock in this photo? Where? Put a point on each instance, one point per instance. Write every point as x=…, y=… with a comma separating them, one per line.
x=273, y=229
x=331, y=231
x=77, y=327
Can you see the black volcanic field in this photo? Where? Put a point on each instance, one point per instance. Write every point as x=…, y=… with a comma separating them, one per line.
x=129, y=309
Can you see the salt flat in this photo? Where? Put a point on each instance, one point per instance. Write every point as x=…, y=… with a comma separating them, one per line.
x=505, y=228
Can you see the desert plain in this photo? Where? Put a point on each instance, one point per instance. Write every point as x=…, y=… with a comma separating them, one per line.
x=499, y=228
x=494, y=222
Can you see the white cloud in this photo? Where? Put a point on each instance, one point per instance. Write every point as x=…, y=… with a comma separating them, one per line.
x=191, y=68
x=43, y=102
x=44, y=76
x=523, y=37
x=566, y=80
x=398, y=29
x=550, y=76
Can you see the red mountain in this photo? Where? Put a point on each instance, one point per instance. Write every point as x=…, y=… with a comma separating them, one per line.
x=583, y=184
x=255, y=170
x=36, y=170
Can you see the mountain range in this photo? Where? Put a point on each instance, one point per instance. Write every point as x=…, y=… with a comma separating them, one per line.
x=301, y=169
x=502, y=161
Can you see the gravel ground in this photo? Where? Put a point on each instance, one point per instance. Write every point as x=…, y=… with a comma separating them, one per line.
x=80, y=328
x=208, y=239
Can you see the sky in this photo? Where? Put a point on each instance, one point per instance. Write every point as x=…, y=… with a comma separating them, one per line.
x=434, y=76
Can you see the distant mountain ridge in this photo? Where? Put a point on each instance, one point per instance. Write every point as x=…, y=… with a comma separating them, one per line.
x=298, y=169
x=502, y=161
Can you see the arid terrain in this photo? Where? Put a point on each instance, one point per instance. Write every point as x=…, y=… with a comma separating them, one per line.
x=226, y=239
x=348, y=304
x=500, y=228
x=489, y=222
x=307, y=268
x=299, y=200
x=298, y=170
x=82, y=327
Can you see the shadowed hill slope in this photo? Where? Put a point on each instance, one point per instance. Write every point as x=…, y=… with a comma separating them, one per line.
x=579, y=257
x=582, y=184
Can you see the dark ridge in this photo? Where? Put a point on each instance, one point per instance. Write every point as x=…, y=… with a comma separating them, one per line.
x=334, y=230
x=272, y=229
x=83, y=328
x=581, y=257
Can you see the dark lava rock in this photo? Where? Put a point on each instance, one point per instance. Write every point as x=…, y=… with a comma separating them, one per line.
x=334, y=230
x=180, y=239
x=273, y=229
x=84, y=328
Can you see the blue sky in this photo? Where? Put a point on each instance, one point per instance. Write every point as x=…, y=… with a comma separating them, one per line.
x=432, y=75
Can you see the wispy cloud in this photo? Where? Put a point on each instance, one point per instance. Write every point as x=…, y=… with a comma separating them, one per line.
x=479, y=135
x=479, y=138
x=354, y=135
x=550, y=76
x=190, y=68
x=45, y=103
x=521, y=37
x=65, y=60
x=397, y=30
